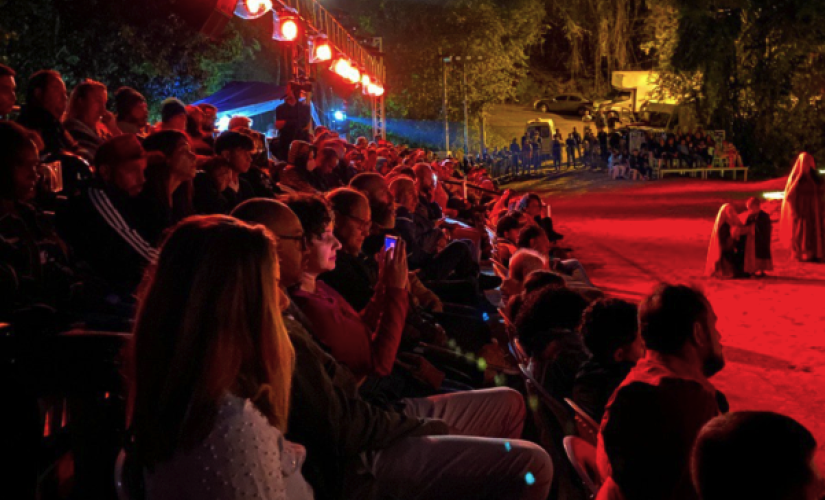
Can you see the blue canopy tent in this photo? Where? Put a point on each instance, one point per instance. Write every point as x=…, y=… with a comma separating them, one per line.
x=250, y=99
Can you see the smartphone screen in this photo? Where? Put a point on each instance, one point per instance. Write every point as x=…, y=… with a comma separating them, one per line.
x=390, y=242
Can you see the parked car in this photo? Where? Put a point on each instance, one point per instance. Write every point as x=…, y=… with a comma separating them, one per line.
x=565, y=103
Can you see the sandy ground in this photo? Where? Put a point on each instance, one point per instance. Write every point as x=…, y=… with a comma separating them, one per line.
x=631, y=235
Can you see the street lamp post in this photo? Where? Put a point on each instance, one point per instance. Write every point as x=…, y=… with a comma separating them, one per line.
x=465, y=60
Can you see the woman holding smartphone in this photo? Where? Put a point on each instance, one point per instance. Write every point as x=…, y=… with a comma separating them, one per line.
x=366, y=342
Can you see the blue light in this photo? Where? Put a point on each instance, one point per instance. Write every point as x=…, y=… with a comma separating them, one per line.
x=340, y=116
x=485, y=316
x=530, y=479
x=507, y=446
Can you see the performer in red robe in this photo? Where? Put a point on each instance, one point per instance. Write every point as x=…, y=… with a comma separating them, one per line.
x=802, y=224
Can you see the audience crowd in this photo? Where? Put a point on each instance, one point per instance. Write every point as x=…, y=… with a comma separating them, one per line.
x=626, y=153
x=313, y=318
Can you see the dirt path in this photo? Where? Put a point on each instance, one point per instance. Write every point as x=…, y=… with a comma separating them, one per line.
x=632, y=235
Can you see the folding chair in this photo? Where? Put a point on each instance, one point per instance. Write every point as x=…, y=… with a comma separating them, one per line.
x=582, y=456
x=586, y=427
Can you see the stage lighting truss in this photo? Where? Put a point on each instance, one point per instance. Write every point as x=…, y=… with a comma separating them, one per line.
x=321, y=50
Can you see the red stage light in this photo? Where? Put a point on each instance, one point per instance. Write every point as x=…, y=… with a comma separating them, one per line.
x=289, y=30
x=321, y=50
x=341, y=67
x=252, y=9
x=285, y=26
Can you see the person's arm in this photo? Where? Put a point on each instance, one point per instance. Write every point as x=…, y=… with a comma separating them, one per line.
x=388, y=313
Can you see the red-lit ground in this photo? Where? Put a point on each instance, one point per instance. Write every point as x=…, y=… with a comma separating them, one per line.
x=631, y=235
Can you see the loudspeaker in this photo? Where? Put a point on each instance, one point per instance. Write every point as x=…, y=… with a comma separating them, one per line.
x=210, y=17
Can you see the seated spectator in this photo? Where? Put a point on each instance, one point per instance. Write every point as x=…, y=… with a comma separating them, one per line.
x=209, y=186
x=376, y=189
x=421, y=238
x=258, y=176
x=327, y=161
x=547, y=325
x=36, y=278
x=172, y=115
x=536, y=280
x=507, y=232
x=166, y=198
x=236, y=149
x=101, y=223
x=212, y=384
x=366, y=343
x=8, y=96
x=753, y=454
x=653, y=418
x=132, y=112
x=354, y=276
x=194, y=118
x=345, y=434
x=610, y=329
x=45, y=104
x=523, y=262
x=300, y=174
x=535, y=238
x=87, y=119
x=239, y=122
x=210, y=116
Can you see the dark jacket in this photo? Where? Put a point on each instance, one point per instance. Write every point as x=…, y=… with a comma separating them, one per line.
x=419, y=234
x=55, y=137
x=329, y=418
x=352, y=278
x=596, y=382
x=261, y=182
x=206, y=198
x=244, y=192
x=556, y=375
x=100, y=225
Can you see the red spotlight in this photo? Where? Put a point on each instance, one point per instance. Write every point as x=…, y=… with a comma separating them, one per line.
x=341, y=67
x=252, y=9
x=285, y=25
x=354, y=75
x=321, y=49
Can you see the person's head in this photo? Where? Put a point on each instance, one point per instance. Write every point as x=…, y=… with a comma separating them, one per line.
x=302, y=155
x=8, y=87
x=285, y=225
x=610, y=330
x=194, y=118
x=352, y=218
x=208, y=325
x=424, y=181
x=678, y=320
x=541, y=278
x=508, y=227
x=210, y=114
x=121, y=162
x=547, y=314
x=236, y=148
x=88, y=102
x=219, y=170
x=754, y=205
x=173, y=115
x=18, y=162
x=375, y=187
x=317, y=219
x=131, y=107
x=46, y=90
x=175, y=147
x=403, y=191
x=361, y=142
x=327, y=160
x=530, y=204
x=239, y=122
x=755, y=454
x=534, y=238
x=524, y=262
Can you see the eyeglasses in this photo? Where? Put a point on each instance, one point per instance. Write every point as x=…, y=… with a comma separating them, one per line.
x=365, y=224
x=301, y=238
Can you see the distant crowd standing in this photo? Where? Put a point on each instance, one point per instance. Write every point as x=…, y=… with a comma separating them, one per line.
x=309, y=317
x=614, y=150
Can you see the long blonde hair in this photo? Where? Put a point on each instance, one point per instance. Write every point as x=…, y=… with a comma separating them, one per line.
x=208, y=324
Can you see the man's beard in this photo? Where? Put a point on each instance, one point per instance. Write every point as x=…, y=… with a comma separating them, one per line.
x=713, y=364
x=382, y=214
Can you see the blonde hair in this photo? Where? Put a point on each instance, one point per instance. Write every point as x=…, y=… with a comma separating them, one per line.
x=208, y=324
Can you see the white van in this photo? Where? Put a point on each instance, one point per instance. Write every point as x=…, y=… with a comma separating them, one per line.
x=546, y=130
